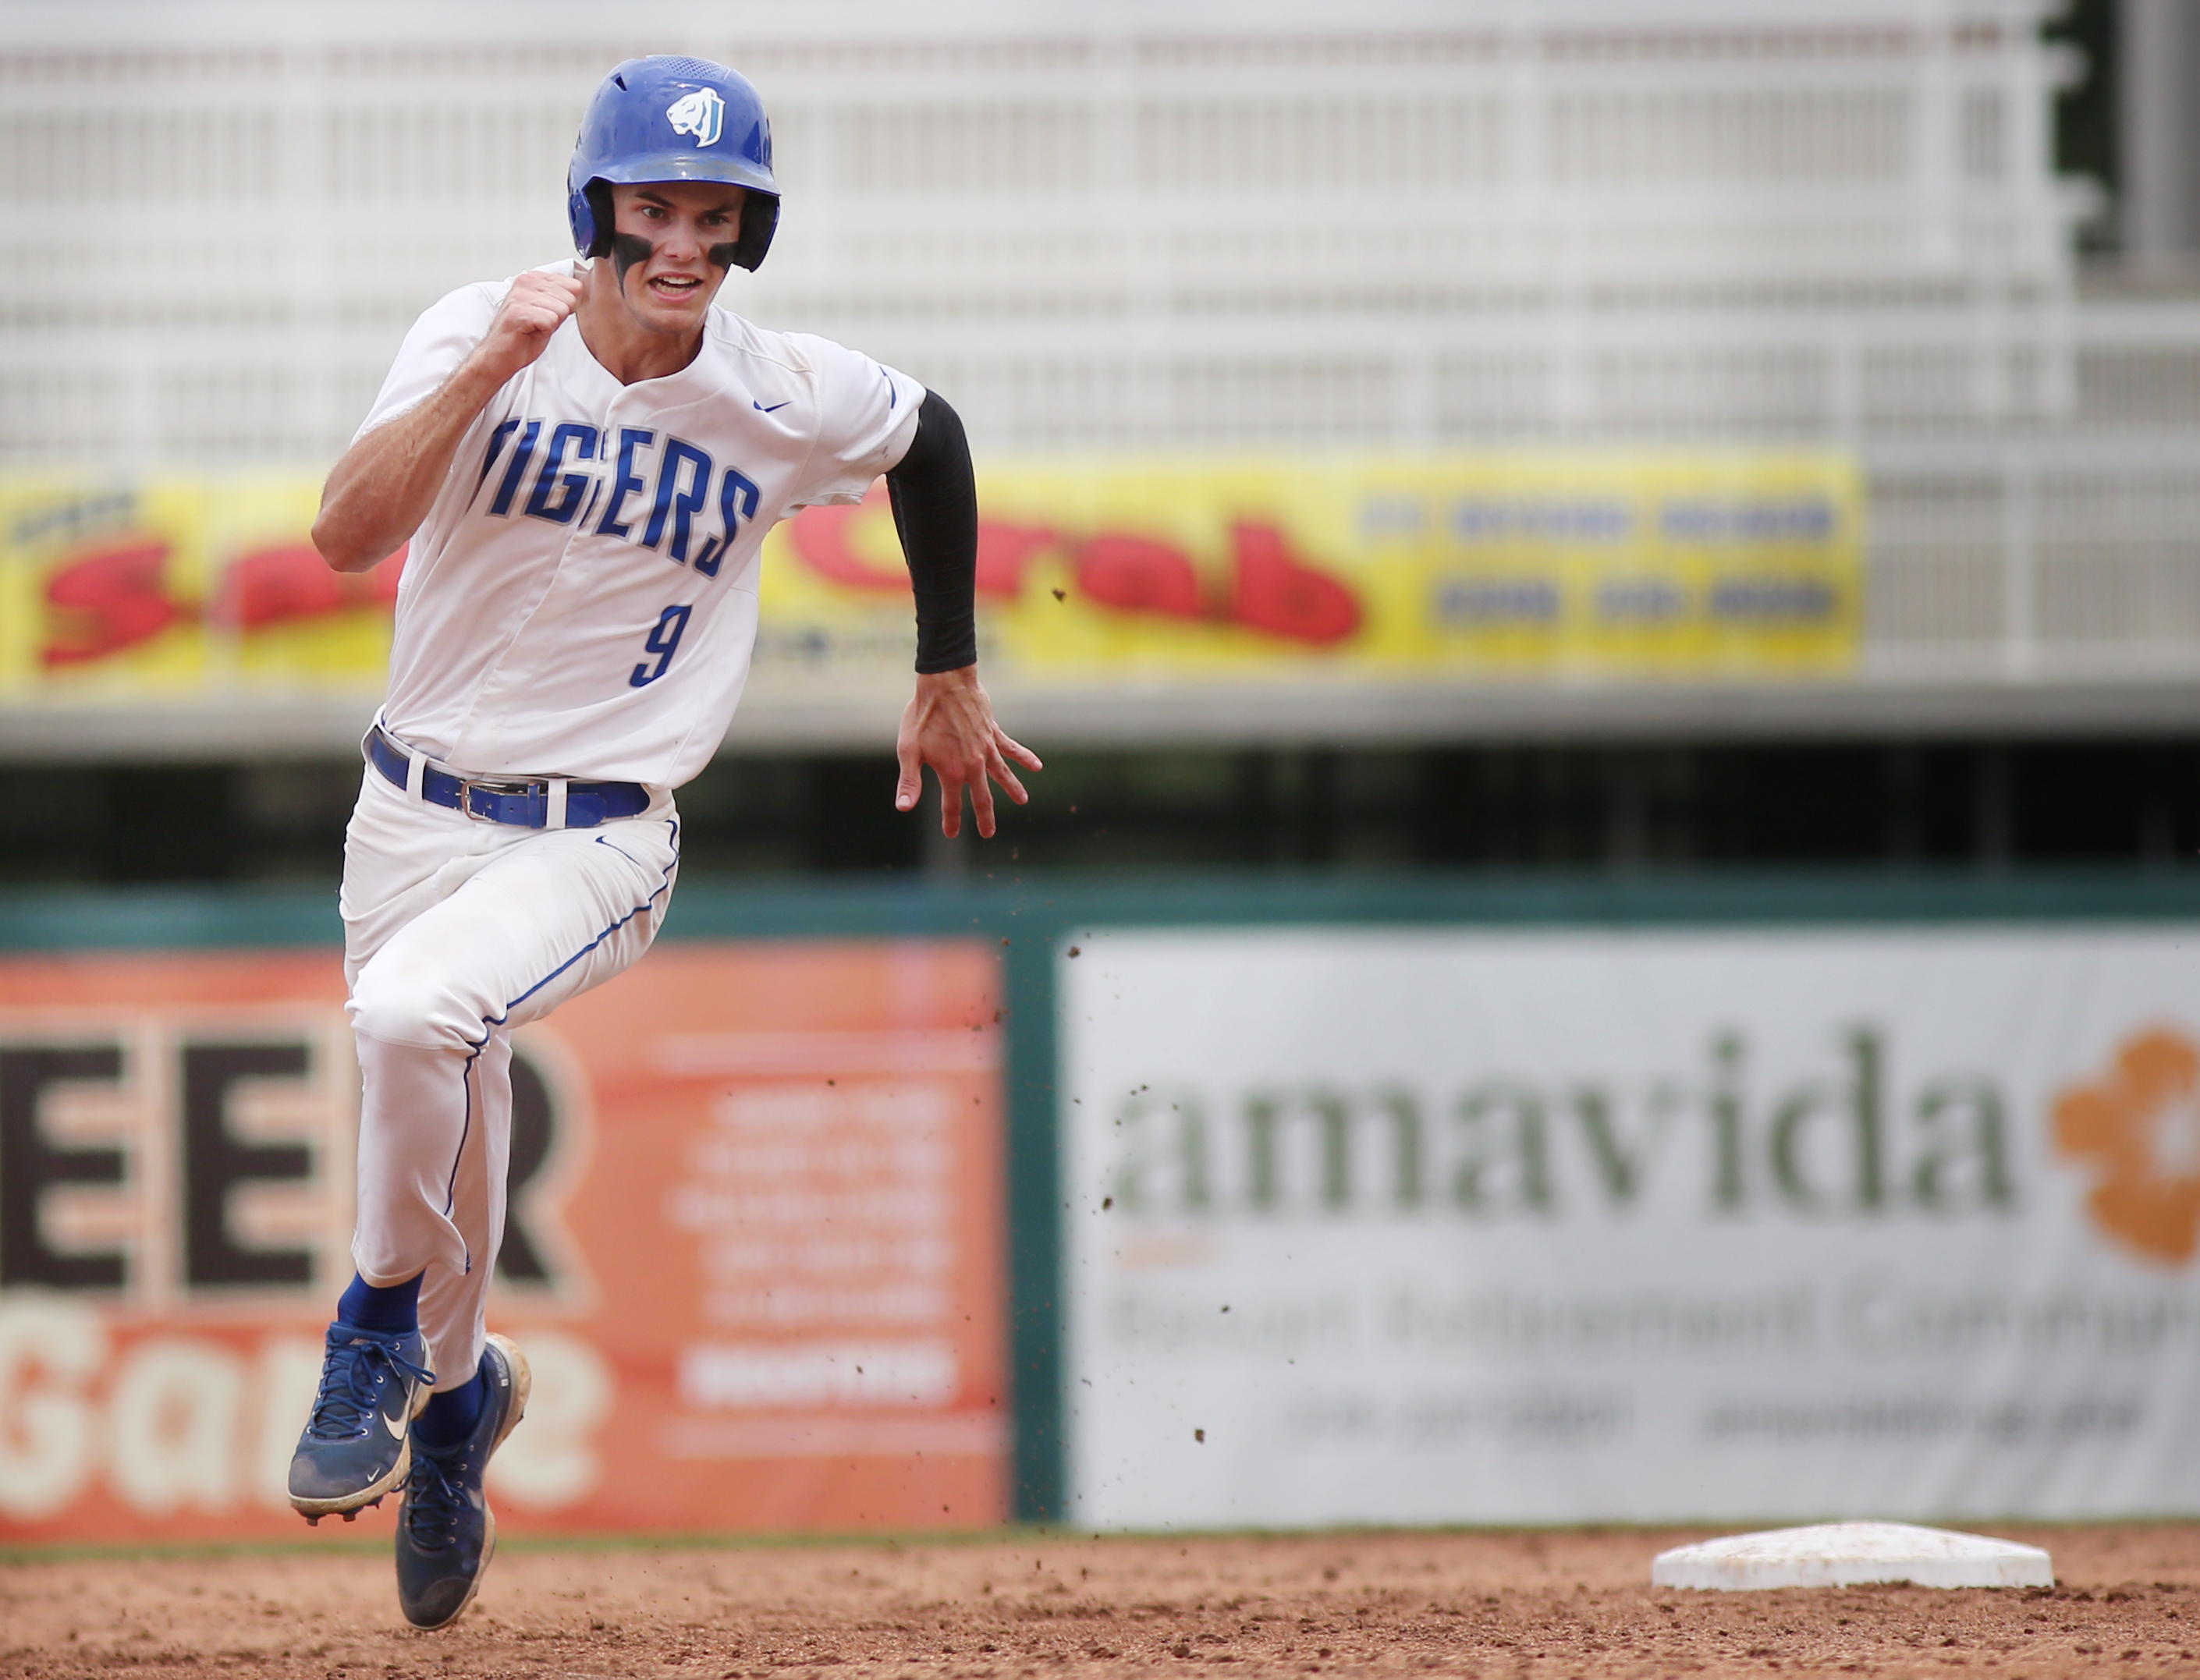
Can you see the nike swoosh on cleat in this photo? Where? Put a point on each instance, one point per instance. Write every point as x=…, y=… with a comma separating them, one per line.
x=396, y=1428
x=774, y=409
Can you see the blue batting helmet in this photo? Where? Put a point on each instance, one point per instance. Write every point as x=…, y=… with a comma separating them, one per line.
x=673, y=119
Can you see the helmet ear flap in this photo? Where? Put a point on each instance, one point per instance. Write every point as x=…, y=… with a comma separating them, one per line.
x=759, y=221
x=597, y=193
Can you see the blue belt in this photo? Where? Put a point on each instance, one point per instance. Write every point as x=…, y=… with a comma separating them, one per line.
x=521, y=804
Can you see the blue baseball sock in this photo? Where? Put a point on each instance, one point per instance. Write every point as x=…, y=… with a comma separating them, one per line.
x=390, y=1311
x=451, y=1414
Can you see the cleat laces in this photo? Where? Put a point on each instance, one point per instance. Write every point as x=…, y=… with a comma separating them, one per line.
x=436, y=1497
x=352, y=1377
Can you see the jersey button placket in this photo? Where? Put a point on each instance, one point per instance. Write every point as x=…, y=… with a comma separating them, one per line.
x=510, y=682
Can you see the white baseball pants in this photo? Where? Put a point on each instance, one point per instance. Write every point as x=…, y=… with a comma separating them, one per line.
x=455, y=932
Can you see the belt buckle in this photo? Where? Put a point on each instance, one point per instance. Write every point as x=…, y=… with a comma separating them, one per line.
x=492, y=786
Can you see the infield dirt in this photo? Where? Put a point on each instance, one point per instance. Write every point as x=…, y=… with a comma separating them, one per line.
x=1044, y=1605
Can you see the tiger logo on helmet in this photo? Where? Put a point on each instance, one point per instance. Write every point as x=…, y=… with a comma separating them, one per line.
x=701, y=113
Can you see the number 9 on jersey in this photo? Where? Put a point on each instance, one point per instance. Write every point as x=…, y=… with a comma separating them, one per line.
x=664, y=642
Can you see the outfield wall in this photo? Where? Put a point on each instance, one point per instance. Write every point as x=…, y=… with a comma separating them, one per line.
x=1192, y=1202
x=1592, y=1225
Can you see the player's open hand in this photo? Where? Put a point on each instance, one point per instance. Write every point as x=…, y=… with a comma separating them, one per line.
x=532, y=310
x=948, y=725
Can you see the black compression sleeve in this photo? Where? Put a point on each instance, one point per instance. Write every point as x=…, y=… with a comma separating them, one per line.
x=935, y=509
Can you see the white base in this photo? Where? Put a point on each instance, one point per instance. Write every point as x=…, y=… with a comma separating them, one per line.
x=1849, y=1553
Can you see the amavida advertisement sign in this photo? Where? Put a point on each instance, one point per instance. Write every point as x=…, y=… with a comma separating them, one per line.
x=1454, y=1226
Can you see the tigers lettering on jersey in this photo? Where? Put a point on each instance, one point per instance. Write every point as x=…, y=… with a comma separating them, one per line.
x=533, y=635
x=664, y=487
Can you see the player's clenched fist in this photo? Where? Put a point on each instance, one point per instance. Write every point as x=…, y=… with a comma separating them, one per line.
x=383, y=488
x=535, y=308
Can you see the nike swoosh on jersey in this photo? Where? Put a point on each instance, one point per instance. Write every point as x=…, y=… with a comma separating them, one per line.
x=774, y=409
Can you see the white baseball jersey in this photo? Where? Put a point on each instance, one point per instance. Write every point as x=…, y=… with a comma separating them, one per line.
x=582, y=600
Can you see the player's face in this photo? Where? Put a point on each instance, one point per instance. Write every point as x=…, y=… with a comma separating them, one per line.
x=689, y=228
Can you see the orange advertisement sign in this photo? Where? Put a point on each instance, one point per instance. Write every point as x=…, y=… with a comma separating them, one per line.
x=754, y=1252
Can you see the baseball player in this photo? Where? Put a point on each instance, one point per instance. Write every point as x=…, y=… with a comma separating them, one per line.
x=587, y=459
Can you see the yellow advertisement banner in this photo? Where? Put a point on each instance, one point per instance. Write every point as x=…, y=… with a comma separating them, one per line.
x=166, y=586
x=1697, y=564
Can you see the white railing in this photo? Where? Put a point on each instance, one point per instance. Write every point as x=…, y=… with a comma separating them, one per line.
x=1084, y=219
x=2039, y=560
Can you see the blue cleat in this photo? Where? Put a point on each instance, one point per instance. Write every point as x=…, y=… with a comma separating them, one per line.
x=356, y=1446
x=445, y=1532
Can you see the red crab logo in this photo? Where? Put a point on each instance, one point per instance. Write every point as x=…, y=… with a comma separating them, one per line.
x=2140, y=1124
